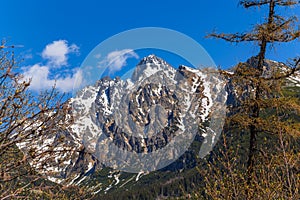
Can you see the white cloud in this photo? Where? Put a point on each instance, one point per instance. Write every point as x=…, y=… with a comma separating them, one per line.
x=40, y=80
x=56, y=56
x=57, y=52
x=115, y=60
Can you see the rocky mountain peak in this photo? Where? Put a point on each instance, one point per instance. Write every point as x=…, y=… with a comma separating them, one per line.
x=152, y=59
x=150, y=65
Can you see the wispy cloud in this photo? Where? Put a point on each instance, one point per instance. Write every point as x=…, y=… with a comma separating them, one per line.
x=115, y=60
x=57, y=52
x=56, y=55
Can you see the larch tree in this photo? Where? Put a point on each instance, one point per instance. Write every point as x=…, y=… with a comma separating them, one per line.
x=261, y=105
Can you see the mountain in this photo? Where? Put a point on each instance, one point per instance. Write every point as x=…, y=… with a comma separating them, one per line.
x=155, y=114
x=161, y=116
x=270, y=68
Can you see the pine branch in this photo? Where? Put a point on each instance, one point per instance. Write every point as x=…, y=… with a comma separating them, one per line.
x=258, y=3
x=287, y=3
x=236, y=38
x=248, y=4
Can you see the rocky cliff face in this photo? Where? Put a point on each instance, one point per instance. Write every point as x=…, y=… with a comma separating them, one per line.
x=143, y=115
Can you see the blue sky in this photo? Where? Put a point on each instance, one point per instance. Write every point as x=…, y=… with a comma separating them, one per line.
x=76, y=27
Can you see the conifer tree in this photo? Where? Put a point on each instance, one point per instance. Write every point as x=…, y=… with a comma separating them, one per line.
x=262, y=106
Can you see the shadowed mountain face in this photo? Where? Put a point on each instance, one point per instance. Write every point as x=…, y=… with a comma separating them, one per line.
x=154, y=115
x=145, y=115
